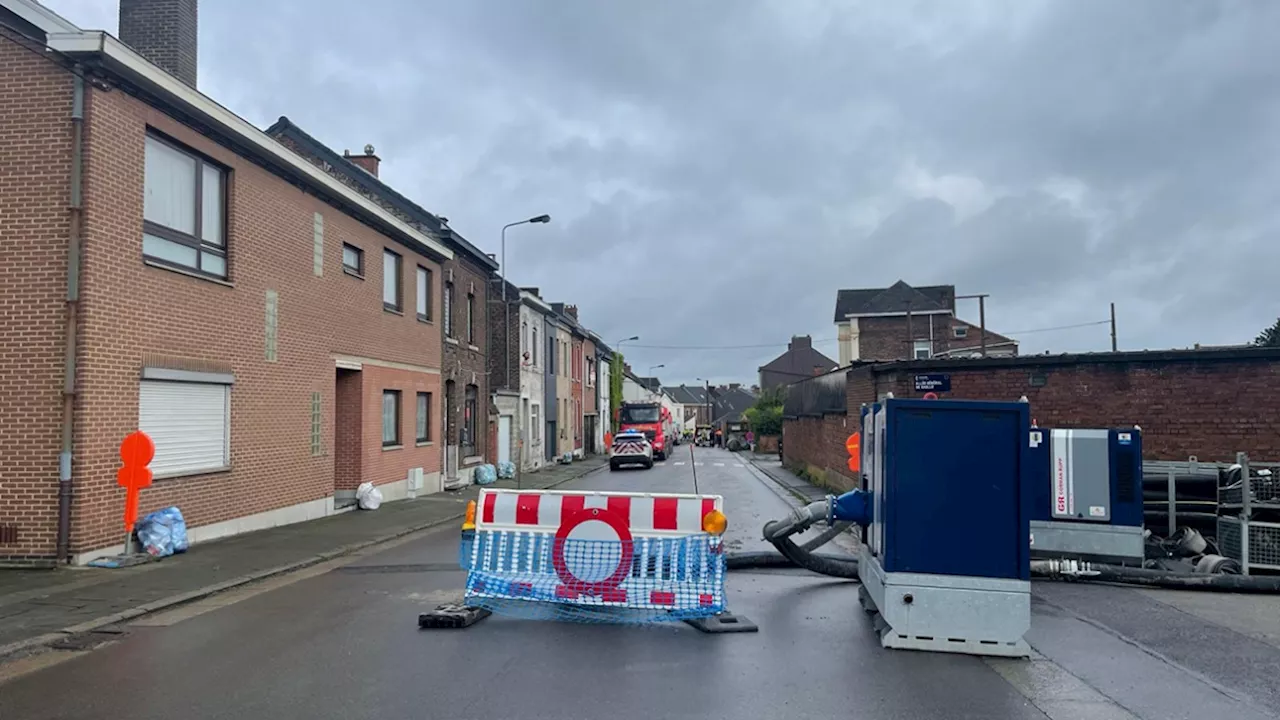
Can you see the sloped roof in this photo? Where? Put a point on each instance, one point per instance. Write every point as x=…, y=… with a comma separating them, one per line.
x=687, y=394
x=799, y=362
x=731, y=403
x=651, y=384
x=894, y=299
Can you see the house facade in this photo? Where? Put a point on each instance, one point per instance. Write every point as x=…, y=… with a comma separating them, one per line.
x=164, y=272
x=604, y=369
x=506, y=368
x=551, y=409
x=902, y=322
x=533, y=359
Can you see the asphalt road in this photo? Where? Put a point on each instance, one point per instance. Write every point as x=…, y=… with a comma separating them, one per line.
x=340, y=641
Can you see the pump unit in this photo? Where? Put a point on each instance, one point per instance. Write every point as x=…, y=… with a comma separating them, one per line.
x=1087, y=500
x=946, y=564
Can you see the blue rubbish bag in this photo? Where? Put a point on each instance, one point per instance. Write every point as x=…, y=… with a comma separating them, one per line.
x=163, y=532
x=506, y=469
x=485, y=474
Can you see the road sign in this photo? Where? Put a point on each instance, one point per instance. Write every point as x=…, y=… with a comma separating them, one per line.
x=933, y=382
x=136, y=452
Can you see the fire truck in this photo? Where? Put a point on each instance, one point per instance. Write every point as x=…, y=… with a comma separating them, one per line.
x=654, y=421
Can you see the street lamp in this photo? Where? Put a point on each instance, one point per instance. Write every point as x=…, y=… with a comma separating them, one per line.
x=506, y=310
x=650, y=374
x=709, y=411
x=619, y=343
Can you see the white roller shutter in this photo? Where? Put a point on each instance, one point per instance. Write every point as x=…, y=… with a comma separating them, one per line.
x=189, y=424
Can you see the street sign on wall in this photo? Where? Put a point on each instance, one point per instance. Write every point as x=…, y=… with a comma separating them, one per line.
x=933, y=382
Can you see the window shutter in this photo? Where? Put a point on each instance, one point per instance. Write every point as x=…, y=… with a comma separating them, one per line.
x=188, y=423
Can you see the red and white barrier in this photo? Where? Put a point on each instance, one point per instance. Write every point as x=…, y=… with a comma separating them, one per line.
x=520, y=549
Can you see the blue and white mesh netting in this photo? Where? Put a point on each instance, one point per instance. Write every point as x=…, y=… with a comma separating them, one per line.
x=640, y=581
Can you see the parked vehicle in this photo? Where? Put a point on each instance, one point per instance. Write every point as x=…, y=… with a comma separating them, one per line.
x=630, y=447
x=654, y=421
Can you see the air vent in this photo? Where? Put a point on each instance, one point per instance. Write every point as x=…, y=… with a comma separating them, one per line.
x=1126, y=487
x=8, y=534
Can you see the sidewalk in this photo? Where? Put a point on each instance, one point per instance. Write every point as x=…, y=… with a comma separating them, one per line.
x=38, y=607
x=770, y=465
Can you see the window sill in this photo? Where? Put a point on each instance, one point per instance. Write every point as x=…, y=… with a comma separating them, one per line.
x=473, y=347
x=192, y=473
x=392, y=310
x=451, y=341
x=426, y=320
x=472, y=460
x=392, y=447
x=188, y=273
x=353, y=273
x=426, y=443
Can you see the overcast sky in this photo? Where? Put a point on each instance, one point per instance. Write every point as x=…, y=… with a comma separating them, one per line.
x=716, y=170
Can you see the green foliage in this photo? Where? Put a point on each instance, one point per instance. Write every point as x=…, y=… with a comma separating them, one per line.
x=765, y=417
x=616, y=371
x=1269, y=337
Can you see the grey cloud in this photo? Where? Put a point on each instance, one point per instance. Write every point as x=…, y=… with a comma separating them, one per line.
x=717, y=169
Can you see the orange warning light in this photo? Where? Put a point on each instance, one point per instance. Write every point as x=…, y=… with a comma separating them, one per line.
x=136, y=452
x=469, y=522
x=854, y=445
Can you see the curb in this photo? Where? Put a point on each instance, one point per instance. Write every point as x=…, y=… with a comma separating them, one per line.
x=6, y=651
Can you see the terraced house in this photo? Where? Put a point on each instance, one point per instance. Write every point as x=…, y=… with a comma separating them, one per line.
x=170, y=267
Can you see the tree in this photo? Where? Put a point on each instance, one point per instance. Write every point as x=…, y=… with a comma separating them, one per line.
x=1269, y=337
x=616, y=369
x=765, y=416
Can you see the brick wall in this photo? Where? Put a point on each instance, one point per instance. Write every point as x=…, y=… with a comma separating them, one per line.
x=380, y=464
x=504, y=323
x=164, y=32
x=130, y=309
x=887, y=338
x=815, y=446
x=465, y=361
x=348, y=440
x=35, y=172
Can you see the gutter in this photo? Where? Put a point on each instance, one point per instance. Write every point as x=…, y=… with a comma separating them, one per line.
x=71, y=317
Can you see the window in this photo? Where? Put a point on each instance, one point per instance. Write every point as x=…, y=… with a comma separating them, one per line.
x=591, y=373
x=390, y=418
x=535, y=427
x=922, y=350
x=960, y=331
x=189, y=423
x=524, y=338
x=533, y=346
x=470, y=410
x=353, y=259
x=424, y=293
x=317, y=439
x=391, y=279
x=471, y=318
x=183, y=210
x=448, y=309
x=424, y=417
x=551, y=357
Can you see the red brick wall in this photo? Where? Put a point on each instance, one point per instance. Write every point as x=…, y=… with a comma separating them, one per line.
x=887, y=338
x=35, y=171
x=130, y=309
x=1208, y=408
x=466, y=363
x=815, y=445
x=348, y=440
x=383, y=465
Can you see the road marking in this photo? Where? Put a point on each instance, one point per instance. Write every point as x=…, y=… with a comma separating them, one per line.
x=739, y=465
x=680, y=463
x=697, y=464
x=719, y=464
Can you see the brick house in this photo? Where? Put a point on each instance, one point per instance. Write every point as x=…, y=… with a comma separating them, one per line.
x=902, y=322
x=463, y=312
x=508, y=356
x=573, y=402
x=590, y=396
x=170, y=267
x=800, y=361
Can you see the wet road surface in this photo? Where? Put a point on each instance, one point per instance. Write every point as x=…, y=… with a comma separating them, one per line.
x=341, y=641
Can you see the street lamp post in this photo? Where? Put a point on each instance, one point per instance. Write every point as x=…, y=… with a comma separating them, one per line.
x=649, y=374
x=506, y=336
x=709, y=411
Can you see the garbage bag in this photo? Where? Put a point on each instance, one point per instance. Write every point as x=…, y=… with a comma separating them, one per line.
x=485, y=474
x=163, y=532
x=506, y=469
x=368, y=497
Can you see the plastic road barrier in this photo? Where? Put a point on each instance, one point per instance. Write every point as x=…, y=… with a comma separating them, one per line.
x=591, y=556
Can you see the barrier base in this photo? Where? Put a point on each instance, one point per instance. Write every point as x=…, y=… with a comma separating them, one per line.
x=725, y=622
x=451, y=616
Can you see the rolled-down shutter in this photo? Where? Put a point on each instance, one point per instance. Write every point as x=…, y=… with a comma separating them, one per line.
x=188, y=422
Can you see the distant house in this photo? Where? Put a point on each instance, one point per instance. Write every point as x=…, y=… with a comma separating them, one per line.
x=902, y=322
x=692, y=400
x=800, y=361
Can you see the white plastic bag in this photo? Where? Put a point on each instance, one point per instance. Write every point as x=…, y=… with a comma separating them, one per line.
x=368, y=497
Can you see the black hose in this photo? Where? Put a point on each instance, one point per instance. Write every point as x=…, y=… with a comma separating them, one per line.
x=830, y=564
x=1265, y=584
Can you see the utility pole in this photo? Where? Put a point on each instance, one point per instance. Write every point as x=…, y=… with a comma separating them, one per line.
x=911, y=336
x=1113, y=327
x=982, y=318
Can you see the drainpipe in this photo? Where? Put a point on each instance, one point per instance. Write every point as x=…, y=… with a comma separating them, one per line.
x=73, y=302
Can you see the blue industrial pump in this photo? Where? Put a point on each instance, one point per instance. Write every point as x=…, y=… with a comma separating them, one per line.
x=1087, y=500
x=946, y=504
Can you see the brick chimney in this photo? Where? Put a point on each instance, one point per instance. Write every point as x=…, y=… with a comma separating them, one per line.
x=532, y=291
x=571, y=311
x=367, y=162
x=163, y=32
x=800, y=342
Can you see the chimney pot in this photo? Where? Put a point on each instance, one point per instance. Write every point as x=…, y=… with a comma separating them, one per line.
x=367, y=162
x=164, y=32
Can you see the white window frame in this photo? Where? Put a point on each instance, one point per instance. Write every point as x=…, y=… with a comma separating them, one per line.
x=535, y=423
x=396, y=272
x=960, y=331
x=423, y=294
x=920, y=346
x=159, y=422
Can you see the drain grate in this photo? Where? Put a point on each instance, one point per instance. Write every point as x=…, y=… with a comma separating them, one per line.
x=87, y=640
x=402, y=568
